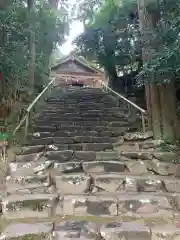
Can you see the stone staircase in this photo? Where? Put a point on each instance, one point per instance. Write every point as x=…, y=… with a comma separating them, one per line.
x=86, y=173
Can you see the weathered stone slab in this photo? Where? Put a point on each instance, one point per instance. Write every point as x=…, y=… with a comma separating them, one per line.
x=42, y=141
x=172, y=185
x=29, y=157
x=102, y=140
x=135, y=203
x=107, y=156
x=66, y=127
x=68, y=167
x=165, y=232
x=61, y=134
x=84, y=155
x=31, y=189
x=83, y=139
x=76, y=230
x=109, y=183
x=162, y=168
x=73, y=183
x=177, y=201
x=150, y=144
x=130, y=184
x=22, y=182
x=119, y=124
x=106, y=134
x=138, y=136
x=97, y=146
x=56, y=147
x=40, y=128
x=30, y=150
x=103, y=166
x=165, y=156
x=75, y=147
x=28, y=206
x=118, y=131
x=149, y=185
x=84, y=133
x=119, y=141
x=28, y=168
x=60, y=156
x=143, y=184
x=89, y=205
x=125, y=231
x=62, y=140
x=127, y=147
x=38, y=135
x=137, y=155
x=136, y=167
x=21, y=231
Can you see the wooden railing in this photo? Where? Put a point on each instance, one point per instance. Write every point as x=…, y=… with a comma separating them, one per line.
x=26, y=118
x=130, y=104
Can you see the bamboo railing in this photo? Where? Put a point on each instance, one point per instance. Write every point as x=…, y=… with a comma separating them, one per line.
x=26, y=118
x=130, y=104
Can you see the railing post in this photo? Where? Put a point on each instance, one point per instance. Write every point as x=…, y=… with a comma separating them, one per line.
x=117, y=101
x=129, y=110
x=26, y=125
x=143, y=123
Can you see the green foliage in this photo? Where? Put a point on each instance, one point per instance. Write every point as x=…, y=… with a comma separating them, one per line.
x=165, y=64
x=110, y=35
x=13, y=57
x=49, y=25
x=56, y=56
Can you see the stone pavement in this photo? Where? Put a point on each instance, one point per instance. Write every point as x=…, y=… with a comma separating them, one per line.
x=88, y=173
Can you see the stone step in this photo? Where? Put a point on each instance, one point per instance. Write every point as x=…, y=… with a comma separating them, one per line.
x=84, y=105
x=78, y=118
x=94, y=230
x=65, y=133
x=40, y=135
x=56, y=122
x=70, y=169
x=40, y=206
x=62, y=181
x=97, y=162
x=70, y=109
x=69, y=178
x=95, y=177
x=66, y=127
x=26, y=154
x=75, y=140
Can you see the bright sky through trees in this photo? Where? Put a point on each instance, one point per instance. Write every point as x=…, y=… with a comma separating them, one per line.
x=75, y=29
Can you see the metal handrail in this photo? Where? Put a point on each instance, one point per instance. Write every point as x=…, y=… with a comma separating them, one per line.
x=141, y=110
x=28, y=110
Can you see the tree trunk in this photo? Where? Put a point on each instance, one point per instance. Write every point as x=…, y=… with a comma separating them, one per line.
x=155, y=111
x=53, y=3
x=168, y=111
x=143, y=29
x=3, y=3
x=160, y=99
x=32, y=48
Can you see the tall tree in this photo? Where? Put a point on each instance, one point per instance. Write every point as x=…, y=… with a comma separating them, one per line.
x=110, y=35
x=32, y=45
x=24, y=24
x=160, y=93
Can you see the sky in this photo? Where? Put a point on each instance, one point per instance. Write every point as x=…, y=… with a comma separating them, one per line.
x=76, y=29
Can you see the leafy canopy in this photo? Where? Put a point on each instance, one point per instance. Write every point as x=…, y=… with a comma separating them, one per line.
x=50, y=26
x=165, y=63
x=110, y=35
